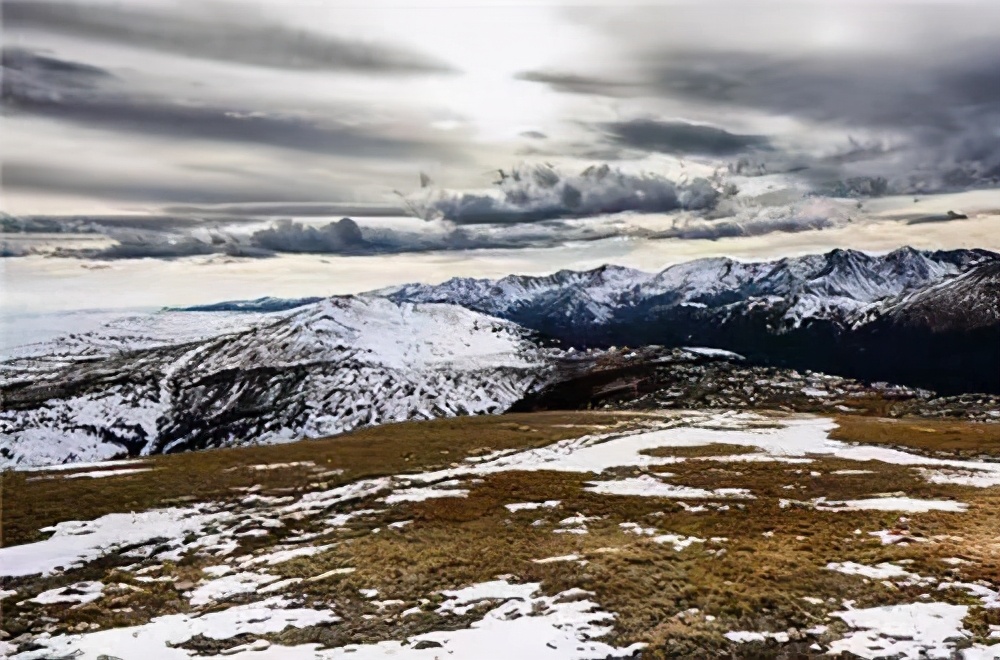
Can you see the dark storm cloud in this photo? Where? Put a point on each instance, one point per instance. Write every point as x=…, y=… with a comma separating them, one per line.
x=221, y=34
x=675, y=137
x=579, y=84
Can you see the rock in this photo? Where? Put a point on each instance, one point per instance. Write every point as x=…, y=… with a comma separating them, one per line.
x=183, y=585
x=426, y=644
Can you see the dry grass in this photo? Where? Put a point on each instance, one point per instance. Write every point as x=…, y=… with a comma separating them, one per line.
x=698, y=451
x=937, y=437
x=765, y=560
x=756, y=579
x=31, y=500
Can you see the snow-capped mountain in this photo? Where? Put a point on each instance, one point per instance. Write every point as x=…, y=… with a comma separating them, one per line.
x=801, y=312
x=831, y=285
x=326, y=368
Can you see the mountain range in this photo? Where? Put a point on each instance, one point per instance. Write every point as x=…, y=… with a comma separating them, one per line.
x=270, y=370
x=928, y=319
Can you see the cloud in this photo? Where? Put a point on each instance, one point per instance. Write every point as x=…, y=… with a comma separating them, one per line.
x=540, y=192
x=35, y=66
x=141, y=187
x=344, y=237
x=677, y=137
x=812, y=73
x=224, y=34
x=807, y=215
x=572, y=83
x=47, y=87
x=300, y=209
x=341, y=237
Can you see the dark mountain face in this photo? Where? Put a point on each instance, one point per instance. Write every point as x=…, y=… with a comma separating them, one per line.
x=927, y=319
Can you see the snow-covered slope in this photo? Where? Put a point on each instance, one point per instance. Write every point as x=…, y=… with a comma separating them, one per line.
x=325, y=368
x=967, y=302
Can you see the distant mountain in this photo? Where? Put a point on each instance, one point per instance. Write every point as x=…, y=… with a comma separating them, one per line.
x=265, y=305
x=328, y=368
x=804, y=312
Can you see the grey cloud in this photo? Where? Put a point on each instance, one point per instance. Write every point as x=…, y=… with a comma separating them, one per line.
x=44, y=68
x=302, y=209
x=41, y=92
x=57, y=180
x=538, y=193
x=944, y=113
x=676, y=137
x=572, y=83
x=807, y=215
x=535, y=135
x=344, y=237
x=853, y=90
x=221, y=33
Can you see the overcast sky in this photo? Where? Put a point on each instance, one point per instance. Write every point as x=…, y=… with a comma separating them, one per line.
x=139, y=104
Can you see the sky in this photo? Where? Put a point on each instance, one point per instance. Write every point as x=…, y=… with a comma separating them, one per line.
x=263, y=141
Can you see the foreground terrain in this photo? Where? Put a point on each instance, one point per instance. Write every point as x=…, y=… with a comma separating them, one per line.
x=544, y=535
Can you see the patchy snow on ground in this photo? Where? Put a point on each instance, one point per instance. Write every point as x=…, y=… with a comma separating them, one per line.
x=648, y=486
x=553, y=560
x=529, y=506
x=743, y=636
x=712, y=352
x=978, y=477
x=227, y=586
x=518, y=620
x=76, y=466
x=676, y=541
x=100, y=474
x=562, y=627
x=285, y=554
x=460, y=601
x=914, y=631
x=795, y=439
x=421, y=494
x=883, y=571
x=906, y=504
x=157, y=639
x=74, y=542
x=81, y=592
x=893, y=503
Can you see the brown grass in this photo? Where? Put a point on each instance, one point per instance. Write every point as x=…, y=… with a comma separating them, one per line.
x=937, y=437
x=31, y=501
x=713, y=449
x=756, y=579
